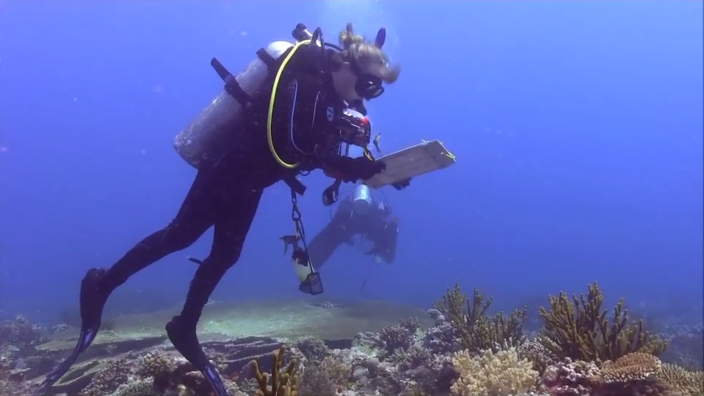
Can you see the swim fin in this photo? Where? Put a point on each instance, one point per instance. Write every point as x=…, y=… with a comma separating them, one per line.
x=214, y=380
x=186, y=342
x=84, y=340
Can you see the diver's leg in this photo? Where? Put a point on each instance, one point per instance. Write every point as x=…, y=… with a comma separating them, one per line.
x=324, y=244
x=192, y=220
x=234, y=216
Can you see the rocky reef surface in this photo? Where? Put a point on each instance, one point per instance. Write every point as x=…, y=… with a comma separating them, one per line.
x=366, y=349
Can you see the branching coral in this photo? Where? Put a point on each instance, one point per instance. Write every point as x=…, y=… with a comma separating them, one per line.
x=579, y=329
x=399, y=336
x=492, y=374
x=683, y=382
x=478, y=331
x=284, y=380
x=325, y=377
x=635, y=374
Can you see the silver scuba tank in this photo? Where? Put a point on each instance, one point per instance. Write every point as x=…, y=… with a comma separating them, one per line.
x=202, y=139
x=361, y=200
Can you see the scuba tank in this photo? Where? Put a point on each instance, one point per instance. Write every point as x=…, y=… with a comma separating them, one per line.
x=202, y=139
x=361, y=200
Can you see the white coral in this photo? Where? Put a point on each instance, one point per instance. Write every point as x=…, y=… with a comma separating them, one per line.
x=492, y=374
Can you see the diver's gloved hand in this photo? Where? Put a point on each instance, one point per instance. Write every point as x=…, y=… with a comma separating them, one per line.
x=400, y=185
x=353, y=169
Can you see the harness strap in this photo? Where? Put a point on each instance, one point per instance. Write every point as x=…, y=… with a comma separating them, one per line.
x=294, y=184
x=266, y=58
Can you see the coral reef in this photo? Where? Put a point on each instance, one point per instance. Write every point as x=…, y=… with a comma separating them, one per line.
x=107, y=380
x=284, y=379
x=579, y=329
x=478, y=331
x=325, y=377
x=685, y=346
x=635, y=374
x=492, y=374
x=464, y=351
x=22, y=334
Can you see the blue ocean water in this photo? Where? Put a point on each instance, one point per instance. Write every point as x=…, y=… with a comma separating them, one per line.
x=577, y=128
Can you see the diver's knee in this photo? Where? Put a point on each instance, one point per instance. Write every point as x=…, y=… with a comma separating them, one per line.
x=179, y=236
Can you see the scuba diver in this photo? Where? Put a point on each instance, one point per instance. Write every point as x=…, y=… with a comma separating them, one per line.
x=359, y=214
x=285, y=115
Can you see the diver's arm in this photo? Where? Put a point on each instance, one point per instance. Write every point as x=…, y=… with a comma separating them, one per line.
x=308, y=126
x=385, y=241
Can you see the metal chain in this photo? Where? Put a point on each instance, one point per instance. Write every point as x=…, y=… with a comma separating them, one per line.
x=296, y=216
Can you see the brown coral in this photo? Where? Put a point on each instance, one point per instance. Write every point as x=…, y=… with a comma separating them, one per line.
x=683, y=382
x=155, y=364
x=284, y=380
x=477, y=331
x=635, y=374
x=579, y=329
x=632, y=367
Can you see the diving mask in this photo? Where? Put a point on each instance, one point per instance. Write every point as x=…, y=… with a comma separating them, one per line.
x=368, y=86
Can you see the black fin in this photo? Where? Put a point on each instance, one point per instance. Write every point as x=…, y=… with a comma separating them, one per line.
x=84, y=340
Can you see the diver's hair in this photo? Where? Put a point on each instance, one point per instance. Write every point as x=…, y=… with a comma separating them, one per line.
x=362, y=52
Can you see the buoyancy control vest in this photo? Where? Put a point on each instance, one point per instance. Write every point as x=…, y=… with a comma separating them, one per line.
x=202, y=141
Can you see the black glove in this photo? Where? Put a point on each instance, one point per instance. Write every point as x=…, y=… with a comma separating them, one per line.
x=352, y=169
x=400, y=185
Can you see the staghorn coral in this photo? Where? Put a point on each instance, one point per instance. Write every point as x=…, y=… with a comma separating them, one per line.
x=579, y=329
x=478, y=331
x=492, y=374
x=284, y=380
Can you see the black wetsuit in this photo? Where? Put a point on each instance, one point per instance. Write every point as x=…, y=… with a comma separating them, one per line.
x=225, y=194
x=376, y=226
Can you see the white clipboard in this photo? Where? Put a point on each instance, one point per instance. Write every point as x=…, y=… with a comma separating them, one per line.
x=412, y=162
